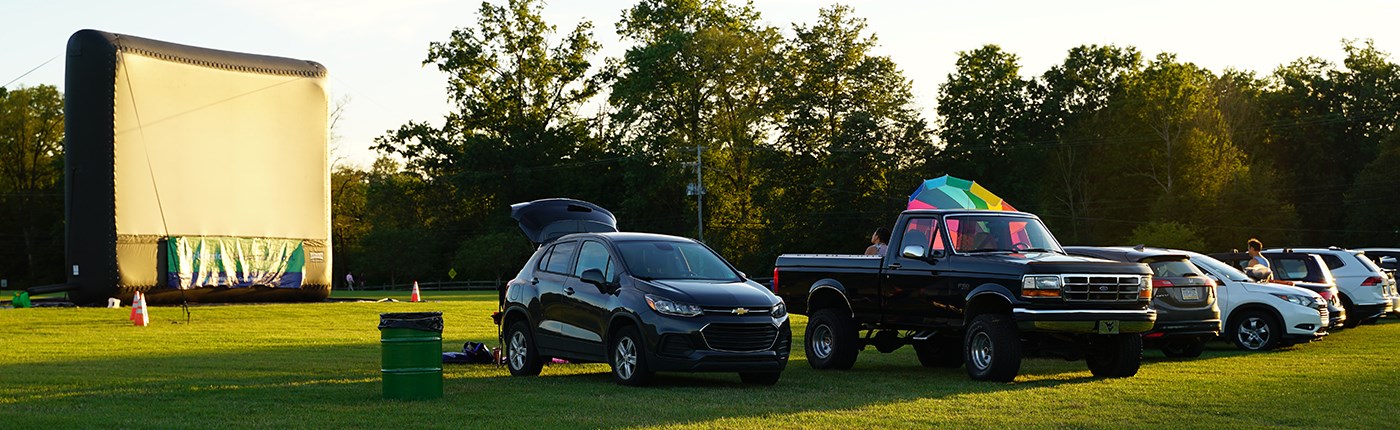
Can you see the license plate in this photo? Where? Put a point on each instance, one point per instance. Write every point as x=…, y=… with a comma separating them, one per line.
x=1108, y=327
x=1191, y=293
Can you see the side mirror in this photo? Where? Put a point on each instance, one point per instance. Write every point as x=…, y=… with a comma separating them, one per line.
x=914, y=251
x=743, y=275
x=593, y=276
x=1388, y=263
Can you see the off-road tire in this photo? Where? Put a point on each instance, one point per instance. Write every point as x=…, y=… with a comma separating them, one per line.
x=831, y=341
x=1114, y=355
x=992, y=348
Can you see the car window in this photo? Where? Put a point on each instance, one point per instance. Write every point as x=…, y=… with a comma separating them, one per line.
x=1367, y=263
x=1290, y=269
x=995, y=233
x=593, y=255
x=561, y=257
x=1172, y=269
x=918, y=231
x=1332, y=261
x=674, y=260
x=1229, y=272
x=544, y=258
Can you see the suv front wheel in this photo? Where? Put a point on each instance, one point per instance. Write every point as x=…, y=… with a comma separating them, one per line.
x=992, y=348
x=629, y=358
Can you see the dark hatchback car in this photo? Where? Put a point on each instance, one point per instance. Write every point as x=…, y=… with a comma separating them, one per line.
x=642, y=303
x=1301, y=270
x=1184, y=298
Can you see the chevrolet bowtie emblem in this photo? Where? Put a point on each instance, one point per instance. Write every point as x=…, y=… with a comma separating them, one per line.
x=740, y=311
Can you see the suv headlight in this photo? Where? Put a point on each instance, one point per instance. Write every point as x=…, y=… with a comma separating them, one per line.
x=1297, y=299
x=780, y=310
x=671, y=307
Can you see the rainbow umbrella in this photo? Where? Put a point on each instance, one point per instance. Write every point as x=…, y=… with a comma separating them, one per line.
x=947, y=192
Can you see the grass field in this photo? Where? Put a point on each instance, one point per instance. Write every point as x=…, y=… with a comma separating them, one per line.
x=317, y=366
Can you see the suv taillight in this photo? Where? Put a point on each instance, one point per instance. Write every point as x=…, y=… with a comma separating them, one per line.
x=775, y=280
x=1372, y=281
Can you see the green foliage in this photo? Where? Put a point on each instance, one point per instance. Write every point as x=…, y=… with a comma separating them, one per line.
x=31, y=186
x=1168, y=234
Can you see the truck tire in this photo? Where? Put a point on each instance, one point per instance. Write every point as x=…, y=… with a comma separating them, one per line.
x=992, y=348
x=1115, y=355
x=831, y=341
x=945, y=352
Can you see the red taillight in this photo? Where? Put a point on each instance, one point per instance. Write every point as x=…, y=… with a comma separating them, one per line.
x=1159, y=283
x=775, y=280
x=1372, y=281
x=1326, y=295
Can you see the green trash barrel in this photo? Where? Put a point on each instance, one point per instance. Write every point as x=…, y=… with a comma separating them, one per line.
x=412, y=355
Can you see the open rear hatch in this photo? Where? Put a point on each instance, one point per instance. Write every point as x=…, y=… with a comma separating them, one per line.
x=542, y=221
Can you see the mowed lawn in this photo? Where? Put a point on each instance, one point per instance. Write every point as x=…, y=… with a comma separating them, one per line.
x=317, y=366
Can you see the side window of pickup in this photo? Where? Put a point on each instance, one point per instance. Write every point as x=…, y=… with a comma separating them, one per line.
x=918, y=233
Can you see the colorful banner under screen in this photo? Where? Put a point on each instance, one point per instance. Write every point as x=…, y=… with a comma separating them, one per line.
x=196, y=262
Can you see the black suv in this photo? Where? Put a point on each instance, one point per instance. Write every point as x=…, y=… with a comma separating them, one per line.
x=1299, y=269
x=1187, y=312
x=640, y=302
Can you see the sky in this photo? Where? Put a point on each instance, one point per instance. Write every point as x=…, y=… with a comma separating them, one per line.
x=374, y=49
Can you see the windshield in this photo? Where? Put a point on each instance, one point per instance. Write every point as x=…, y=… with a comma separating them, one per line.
x=674, y=260
x=1223, y=269
x=999, y=233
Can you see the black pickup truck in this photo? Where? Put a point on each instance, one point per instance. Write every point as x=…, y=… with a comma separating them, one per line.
x=975, y=286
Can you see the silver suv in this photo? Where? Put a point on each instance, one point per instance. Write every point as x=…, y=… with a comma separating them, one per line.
x=1366, y=290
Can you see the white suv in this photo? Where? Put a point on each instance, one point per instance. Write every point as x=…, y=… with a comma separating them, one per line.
x=1262, y=316
x=1365, y=288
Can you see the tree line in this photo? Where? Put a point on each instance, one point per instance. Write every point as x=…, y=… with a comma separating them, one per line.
x=807, y=141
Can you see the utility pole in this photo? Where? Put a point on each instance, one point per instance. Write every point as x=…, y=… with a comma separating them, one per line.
x=698, y=190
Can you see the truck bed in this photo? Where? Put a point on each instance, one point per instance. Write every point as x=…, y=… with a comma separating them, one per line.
x=829, y=261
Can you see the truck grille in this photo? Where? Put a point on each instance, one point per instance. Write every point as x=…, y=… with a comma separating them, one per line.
x=1101, y=288
x=740, y=337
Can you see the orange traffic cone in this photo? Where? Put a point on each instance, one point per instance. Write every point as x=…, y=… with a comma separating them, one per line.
x=415, y=297
x=138, y=310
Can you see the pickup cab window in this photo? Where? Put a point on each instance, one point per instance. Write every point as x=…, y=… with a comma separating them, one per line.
x=991, y=233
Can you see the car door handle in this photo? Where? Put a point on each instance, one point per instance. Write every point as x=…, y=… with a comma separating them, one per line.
x=569, y=290
x=894, y=266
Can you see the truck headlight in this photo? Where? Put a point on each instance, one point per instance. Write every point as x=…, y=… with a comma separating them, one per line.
x=1298, y=299
x=1040, y=286
x=672, y=307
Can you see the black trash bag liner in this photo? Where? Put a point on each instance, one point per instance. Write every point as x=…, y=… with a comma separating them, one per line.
x=425, y=321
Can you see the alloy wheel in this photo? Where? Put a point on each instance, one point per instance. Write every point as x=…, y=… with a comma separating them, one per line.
x=1253, y=333
x=626, y=358
x=518, y=349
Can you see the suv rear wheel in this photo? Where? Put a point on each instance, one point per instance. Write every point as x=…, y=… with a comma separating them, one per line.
x=1255, y=331
x=1115, y=356
x=939, y=352
x=992, y=349
x=629, y=359
x=1184, y=348
x=522, y=358
x=831, y=340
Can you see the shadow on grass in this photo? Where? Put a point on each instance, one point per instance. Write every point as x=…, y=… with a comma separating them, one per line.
x=339, y=385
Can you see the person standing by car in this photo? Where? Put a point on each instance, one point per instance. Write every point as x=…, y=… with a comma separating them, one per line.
x=1255, y=246
x=879, y=242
